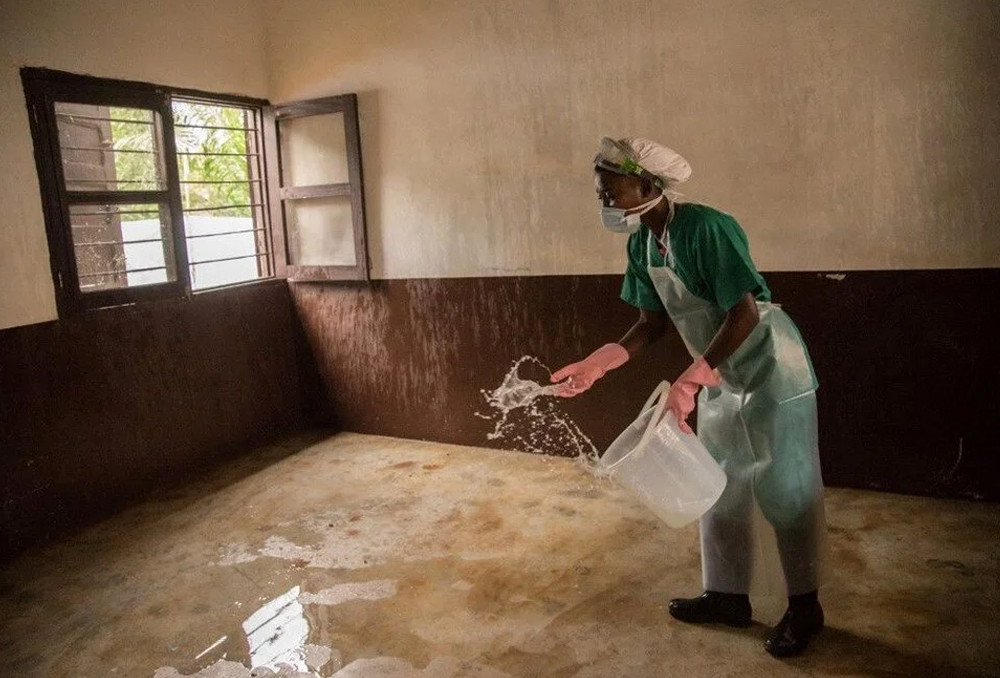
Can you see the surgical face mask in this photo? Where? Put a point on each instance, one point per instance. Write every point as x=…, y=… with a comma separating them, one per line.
x=615, y=219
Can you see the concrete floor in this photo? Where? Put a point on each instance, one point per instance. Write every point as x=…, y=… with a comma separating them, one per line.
x=357, y=556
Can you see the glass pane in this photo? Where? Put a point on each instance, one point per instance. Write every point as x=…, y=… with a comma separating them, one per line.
x=222, y=235
x=217, y=273
x=221, y=193
x=313, y=150
x=202, y=115
x=213, y=161
x=110, y=148
x=320, y=232
x=211, y=187
x=118, y=246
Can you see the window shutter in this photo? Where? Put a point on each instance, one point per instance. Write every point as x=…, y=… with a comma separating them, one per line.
x=315, y=189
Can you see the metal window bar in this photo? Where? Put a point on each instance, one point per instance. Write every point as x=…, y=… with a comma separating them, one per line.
x=76, y=116
x=127, y=270
x=106, y=149
x=241, y=181
x=207, y=153
x=122, y=197
x=113, y=214
x=116, y=242
x=113, y=181
x=190, y=237
x=213, y=235
x=254, y=140
x=213, y=261
x=84, y=228
x=247, y=129
x=221, y=207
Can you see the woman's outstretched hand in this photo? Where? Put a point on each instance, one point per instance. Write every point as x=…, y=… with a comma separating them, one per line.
x=581, y=375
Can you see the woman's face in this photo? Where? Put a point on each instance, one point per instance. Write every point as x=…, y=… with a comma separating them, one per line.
x=621, y=191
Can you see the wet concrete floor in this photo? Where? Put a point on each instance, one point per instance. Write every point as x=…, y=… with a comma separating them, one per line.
x=360, y=556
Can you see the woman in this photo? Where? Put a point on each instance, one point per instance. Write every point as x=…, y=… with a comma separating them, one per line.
x=690, y=264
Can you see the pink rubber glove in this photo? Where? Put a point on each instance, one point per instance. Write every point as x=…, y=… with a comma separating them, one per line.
x=582, y=375
x=680, y=397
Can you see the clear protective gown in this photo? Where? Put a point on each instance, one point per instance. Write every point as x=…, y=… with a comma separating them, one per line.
x=760, y=425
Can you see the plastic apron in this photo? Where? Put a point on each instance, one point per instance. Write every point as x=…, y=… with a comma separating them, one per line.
x=760, y=424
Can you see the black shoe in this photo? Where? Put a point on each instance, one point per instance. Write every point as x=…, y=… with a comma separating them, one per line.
x=713, y=607
x=792, y=634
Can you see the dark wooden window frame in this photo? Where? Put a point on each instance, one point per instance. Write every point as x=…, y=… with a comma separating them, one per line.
x=43, y=88
x=347, y=104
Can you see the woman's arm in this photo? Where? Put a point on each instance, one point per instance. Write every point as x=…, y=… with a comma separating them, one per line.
x=581, y=375
x=649, y=328
x=739, y=323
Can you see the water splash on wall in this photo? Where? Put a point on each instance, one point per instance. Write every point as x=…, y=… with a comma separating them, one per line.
x=528, y=415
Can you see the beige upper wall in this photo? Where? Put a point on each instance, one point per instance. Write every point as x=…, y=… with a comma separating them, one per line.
x=844, y=135
x=854, y=134
x=215, y=46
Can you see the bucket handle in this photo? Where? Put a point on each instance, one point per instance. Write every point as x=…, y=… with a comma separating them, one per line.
x=660, y=392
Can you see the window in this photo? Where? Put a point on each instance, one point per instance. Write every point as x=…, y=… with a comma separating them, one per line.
x=315, y=180
x=151, y=192
x=222, y=192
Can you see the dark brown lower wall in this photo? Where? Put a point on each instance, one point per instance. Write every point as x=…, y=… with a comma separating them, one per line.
x=98, y=409
x=909, y=397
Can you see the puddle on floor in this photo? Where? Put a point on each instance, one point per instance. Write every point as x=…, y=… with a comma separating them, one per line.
x=275, y=643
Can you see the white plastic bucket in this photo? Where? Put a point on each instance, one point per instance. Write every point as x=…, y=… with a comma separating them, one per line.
x=666, y=469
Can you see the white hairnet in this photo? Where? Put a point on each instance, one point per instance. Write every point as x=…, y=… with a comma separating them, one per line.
x=639, y=156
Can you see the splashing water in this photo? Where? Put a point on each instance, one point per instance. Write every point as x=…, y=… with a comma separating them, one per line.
x=532, y=422
x=516, y=392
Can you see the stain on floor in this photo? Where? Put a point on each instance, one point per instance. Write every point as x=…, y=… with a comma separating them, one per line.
x=363, y=556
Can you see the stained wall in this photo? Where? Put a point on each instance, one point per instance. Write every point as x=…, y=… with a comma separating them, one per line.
x=855, y=141
x=853, y=135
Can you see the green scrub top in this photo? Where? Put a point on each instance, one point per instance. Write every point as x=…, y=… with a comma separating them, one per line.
x=710, y=254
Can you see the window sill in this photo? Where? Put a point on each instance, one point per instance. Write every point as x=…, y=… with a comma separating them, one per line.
x=259, y=282
x=235, y=288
